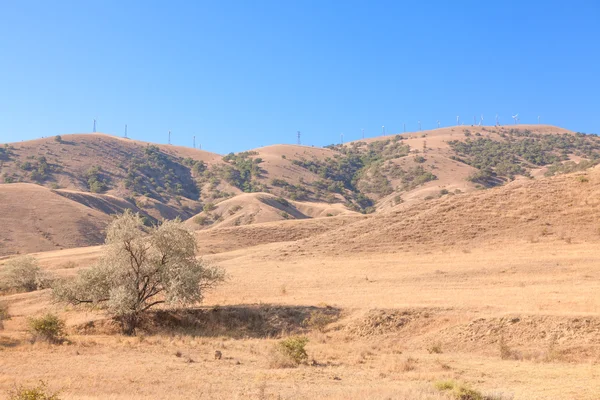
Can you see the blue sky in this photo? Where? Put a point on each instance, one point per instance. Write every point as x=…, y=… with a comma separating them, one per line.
x=243, y=74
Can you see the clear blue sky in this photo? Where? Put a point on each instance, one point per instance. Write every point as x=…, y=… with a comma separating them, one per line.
x=242, y=74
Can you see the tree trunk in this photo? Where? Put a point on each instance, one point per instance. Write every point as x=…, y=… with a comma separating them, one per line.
x=128, y=324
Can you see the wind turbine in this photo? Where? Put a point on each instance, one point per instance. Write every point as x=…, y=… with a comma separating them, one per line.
x=438, y=124
x=342, y=138
x=538, y=119
x=474, y=120
x=419, y=125
x=516, y=118
x=497, y=123
x=383, y=130
x=404, y=125
x=363, y=133
x=481, y=120
x=457, y=120
x=94, y=126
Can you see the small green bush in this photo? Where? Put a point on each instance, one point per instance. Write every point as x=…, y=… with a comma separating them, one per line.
x=459, y=391
x=208, y=207
x=39, y=392
x=49, y=328
x=201, y=220
x=293, y=348
x=583, y=179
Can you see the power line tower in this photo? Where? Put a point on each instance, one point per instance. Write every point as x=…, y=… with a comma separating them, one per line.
x=125, y=131
x=298, y=135
x=94, y=126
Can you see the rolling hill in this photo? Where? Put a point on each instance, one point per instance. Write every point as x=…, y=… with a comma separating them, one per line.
x=106, y=175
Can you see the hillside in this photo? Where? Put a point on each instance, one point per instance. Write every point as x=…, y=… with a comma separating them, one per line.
x=560, y=208
x=34, y=218
x=109, y=174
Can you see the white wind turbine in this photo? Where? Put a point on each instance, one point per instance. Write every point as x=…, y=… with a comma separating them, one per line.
x=516, y=118
x=497, y=122
x=481, y=120
x=457, y=120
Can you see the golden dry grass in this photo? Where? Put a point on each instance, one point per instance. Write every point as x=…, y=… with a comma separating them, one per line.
x=511, y=308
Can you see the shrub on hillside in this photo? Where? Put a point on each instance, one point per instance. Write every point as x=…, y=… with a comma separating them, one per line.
x=23, y=274
x=49, y=328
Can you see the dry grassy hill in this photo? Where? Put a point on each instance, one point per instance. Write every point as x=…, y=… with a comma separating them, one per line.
x=110, y=174
x=34, y=218
x=493, y=290
x=565, y=208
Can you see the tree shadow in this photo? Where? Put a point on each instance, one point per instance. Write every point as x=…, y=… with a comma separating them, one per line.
x=236, y=321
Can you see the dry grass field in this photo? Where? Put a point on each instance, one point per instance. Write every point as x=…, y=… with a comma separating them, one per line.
x=389, y=311
x=494, y=290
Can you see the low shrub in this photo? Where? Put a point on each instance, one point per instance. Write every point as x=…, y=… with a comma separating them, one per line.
x=49, y=328
x=23, y=274
x=38, y=392
x=435, y=348
x=290, y=352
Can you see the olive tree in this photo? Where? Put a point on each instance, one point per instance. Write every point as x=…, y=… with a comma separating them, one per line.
x=141, y=268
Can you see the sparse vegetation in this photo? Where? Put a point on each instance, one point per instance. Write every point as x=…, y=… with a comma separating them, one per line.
x=37, y=392
x=140, y=269
x=520, y=151
x=318, y=320
x=49, y=328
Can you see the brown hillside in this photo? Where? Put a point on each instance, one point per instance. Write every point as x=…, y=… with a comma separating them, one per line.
x=256, y=208
x=34, y=218
x=565, y=207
